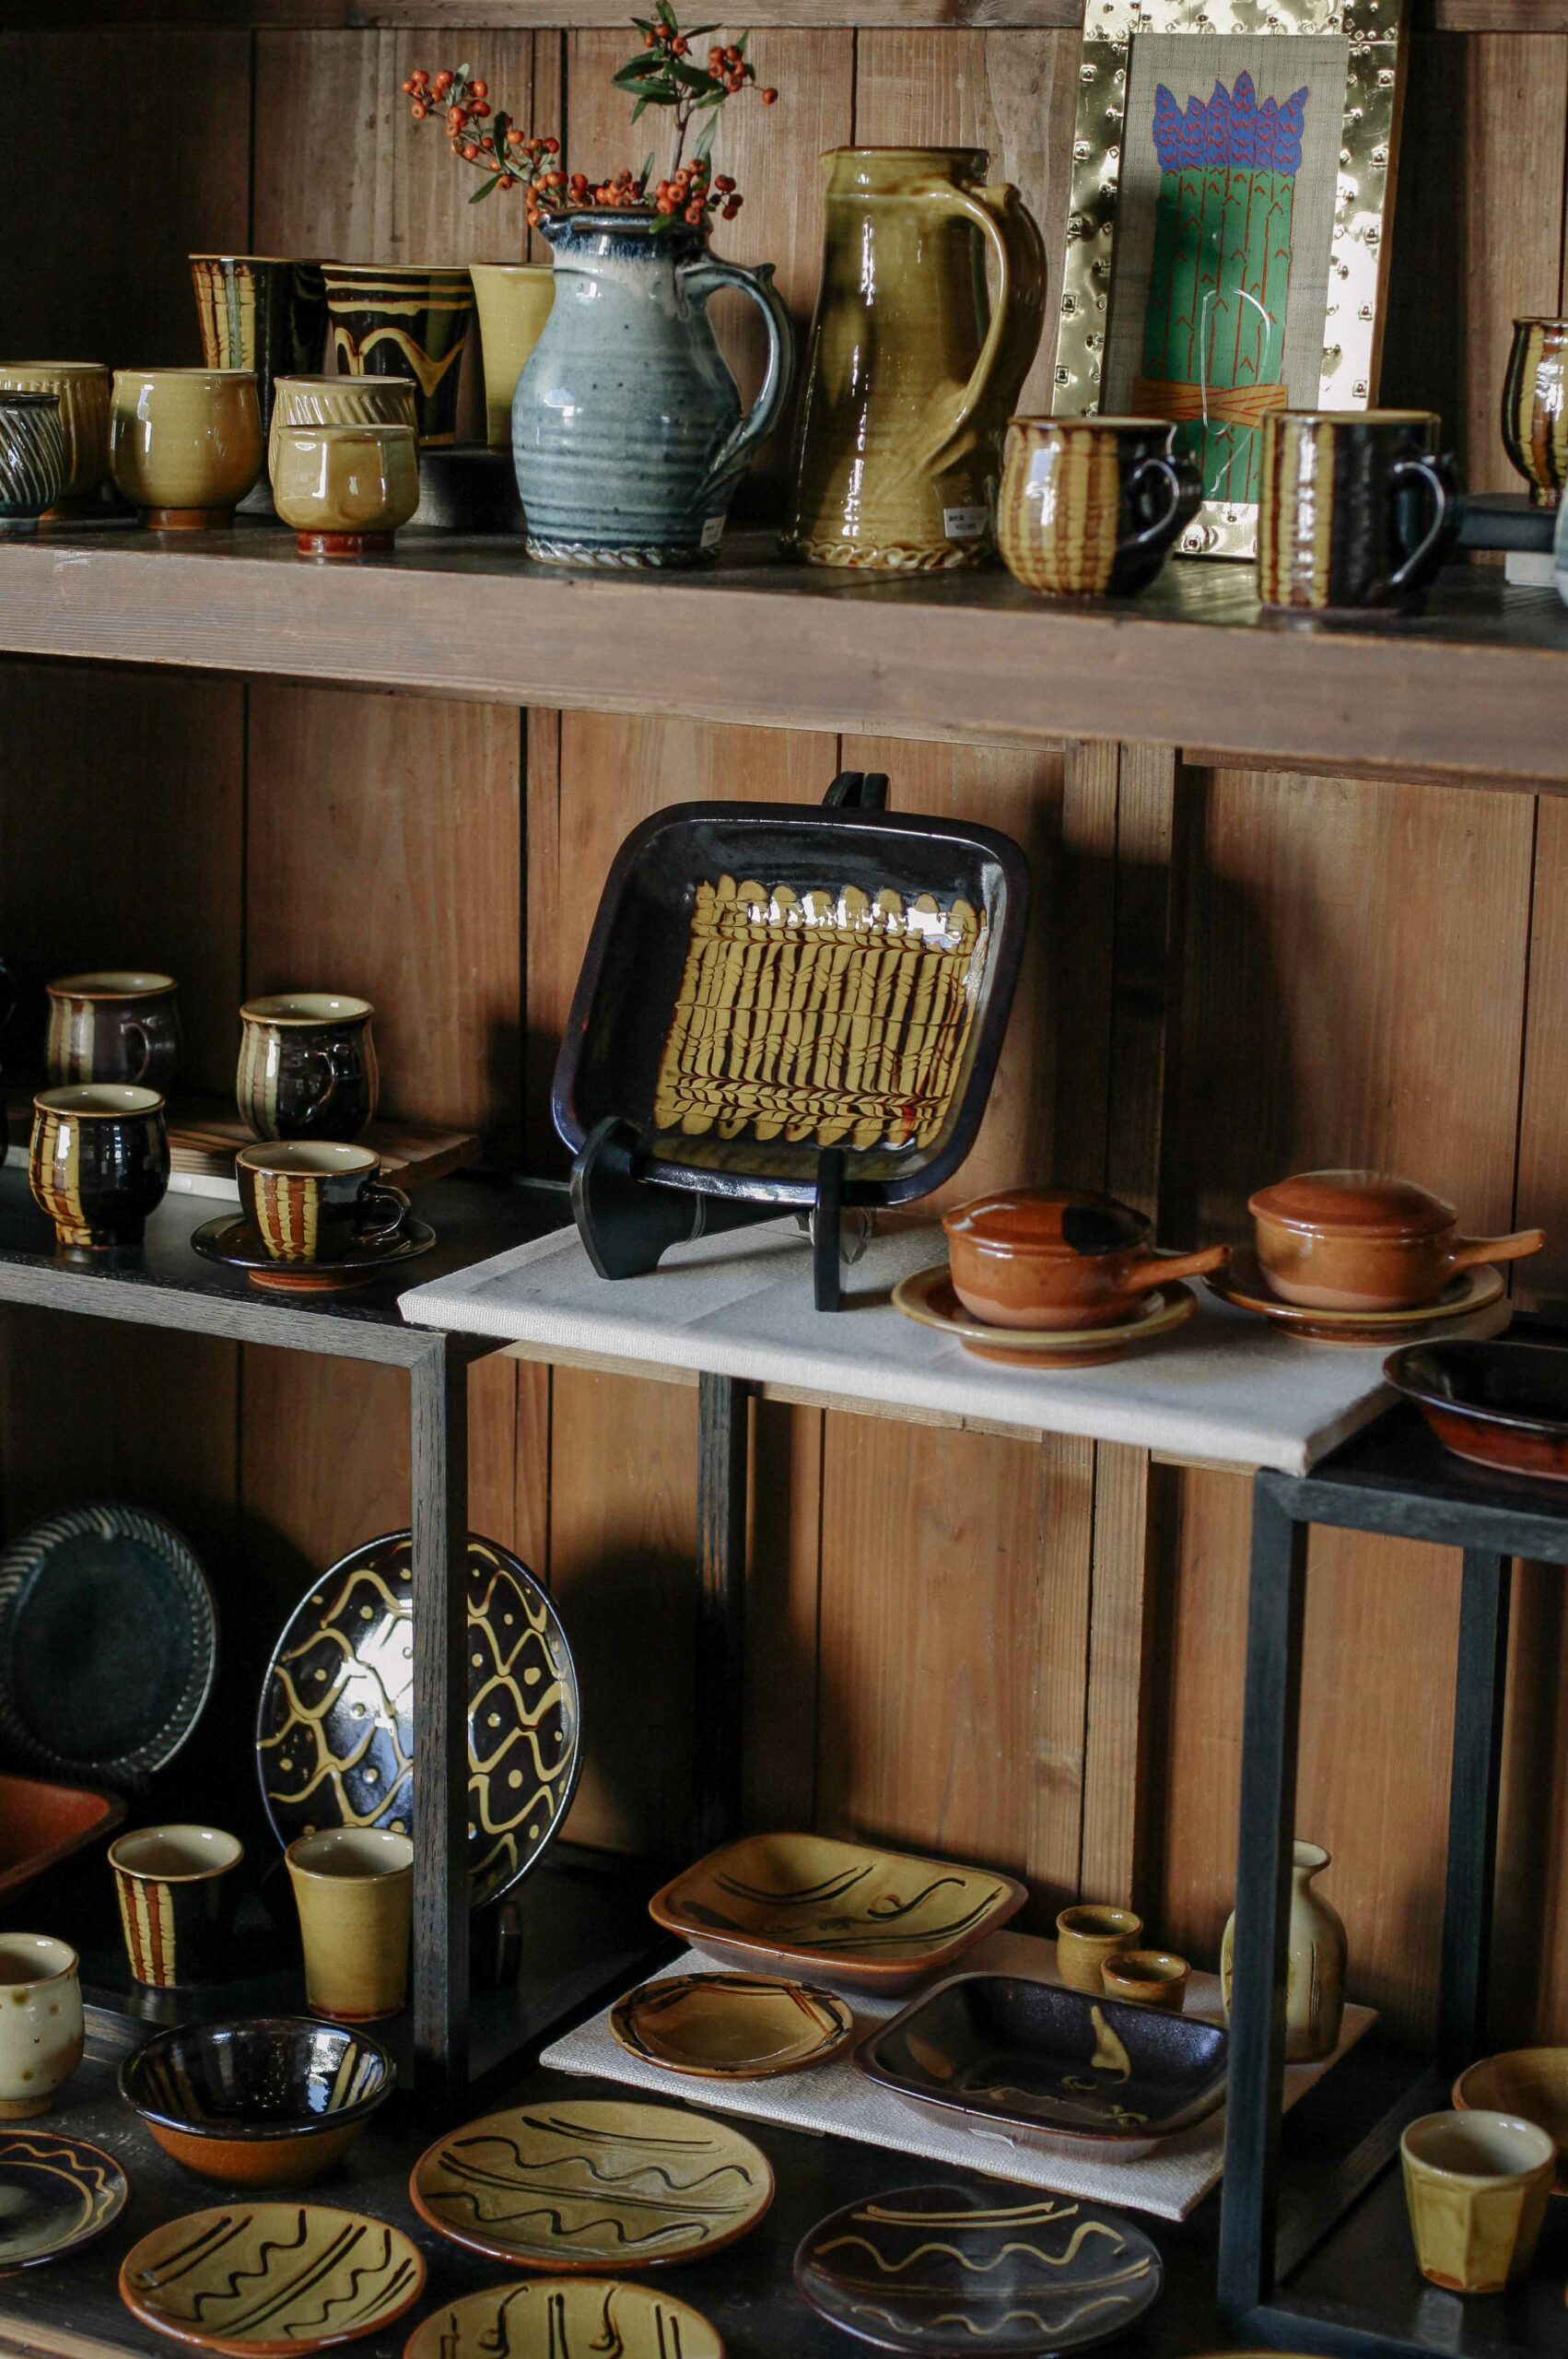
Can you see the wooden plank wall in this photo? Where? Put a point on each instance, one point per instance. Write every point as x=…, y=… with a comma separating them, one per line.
x=957, y=1640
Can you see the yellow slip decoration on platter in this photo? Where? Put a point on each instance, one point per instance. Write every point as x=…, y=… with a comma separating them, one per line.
x=261, y=2281
x=927, y=1296
x=592, y=2185
x=572, y=2318
x=732, y=2026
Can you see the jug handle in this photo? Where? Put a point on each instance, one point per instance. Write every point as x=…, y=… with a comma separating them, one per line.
x=1016, y=313
x=704, y=279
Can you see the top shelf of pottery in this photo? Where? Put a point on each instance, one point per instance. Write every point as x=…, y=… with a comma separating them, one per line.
x=1476, y=687
x=906, y=16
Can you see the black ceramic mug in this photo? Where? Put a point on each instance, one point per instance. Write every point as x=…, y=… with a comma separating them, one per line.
x=117, y=1026
x=306, y=1066
x=1358, y=510
x=98, y=1161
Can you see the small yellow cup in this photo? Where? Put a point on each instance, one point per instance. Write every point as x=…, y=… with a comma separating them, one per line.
x=1085, y=1937
x=185, y=444
x=1477, y=2185
x=354, y=1889
x=345, y=489
x=1148, y=1978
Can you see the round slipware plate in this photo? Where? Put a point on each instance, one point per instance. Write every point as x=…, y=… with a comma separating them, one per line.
x=108, y=1644
x=1045, y=2272
x=593, y=2185
x=555, y=2321
x=263, y=2281
x=1244, y=1284
x=236, y=1244
x=929, y=1298
x=335, y=1734
x=55, y=2193
x=732, y=2026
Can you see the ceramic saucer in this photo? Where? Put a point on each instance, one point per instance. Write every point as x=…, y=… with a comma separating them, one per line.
x=54, y=2194
x=551, y=2320
x=264, y=2281
x=928, y=1298
x=233, y=1241
x=1244, y=1284
x=731, y=2026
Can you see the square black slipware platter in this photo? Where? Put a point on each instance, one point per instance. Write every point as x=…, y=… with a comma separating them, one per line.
x=626, y=992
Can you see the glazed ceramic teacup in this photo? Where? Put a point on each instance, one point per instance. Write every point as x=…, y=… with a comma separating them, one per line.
x=176, y=1888
x=98, y=1160
x=1363, y=1240
x=514, y=301
x=1089, y=506
x=1535, y=407
x=403, y=319
x=354, y=1888
x=264, y=313
x=1358, y=512
x=1085, y=1937
x=41, y=2022
x=83, y=389
x=341, y=401
x=307, y=1066
x=33, y=463
x=185, y=444
x=120, y=1026
x=314, y=1200
x=1043, y=1257
x=1149, y=1978
x=1477, y=2185
x=345, y=489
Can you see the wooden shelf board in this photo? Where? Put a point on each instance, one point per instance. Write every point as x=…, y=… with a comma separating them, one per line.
x=1473, y=690
x=482, y=16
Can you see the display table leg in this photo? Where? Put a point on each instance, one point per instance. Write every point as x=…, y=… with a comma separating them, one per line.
x=439, y=1458
x=1475, y=1783
x=722, y=1569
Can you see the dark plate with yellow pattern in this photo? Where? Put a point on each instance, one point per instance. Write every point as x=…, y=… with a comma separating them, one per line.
x=335, y=1734
x=939, y=2270
x=55, y=2193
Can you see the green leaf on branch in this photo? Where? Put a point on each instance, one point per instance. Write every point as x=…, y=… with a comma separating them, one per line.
x=638, y=69
x=480, y=193
x=691, y=77
x=647, y=172
x=702, y=147
x=667, y=17
x=739, y=41
x=460, y=72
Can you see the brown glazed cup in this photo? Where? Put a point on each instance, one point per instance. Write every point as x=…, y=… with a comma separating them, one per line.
x=314, y=1200
x=1085, y=1936
x=1361, y=1240
x=1089, y=506
x=1535, y=407
x=1149, y=1978
x=122, y=1025
x=1359, y=510
x=1045, y=1257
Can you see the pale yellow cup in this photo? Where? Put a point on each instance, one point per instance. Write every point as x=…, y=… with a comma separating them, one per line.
x=42, y=2035
x=185, y=444
x=1085, y=1937
x=345, y=489
x=341, y=401
x=83, y=388
x=1477, y=2185
x=514, y=301
x=354, y=1889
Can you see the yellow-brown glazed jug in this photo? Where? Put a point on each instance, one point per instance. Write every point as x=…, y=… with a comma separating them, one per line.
x=913, y=370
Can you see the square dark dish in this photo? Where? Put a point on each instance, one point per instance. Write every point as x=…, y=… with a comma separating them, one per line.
x=1054, y=2069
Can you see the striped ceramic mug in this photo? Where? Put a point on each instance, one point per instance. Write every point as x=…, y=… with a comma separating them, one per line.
x=307, y=1066
x=122, y=1025
x=98, y=1163
x=1358, y=510
x=312, y=1200
x=176, y=1887
x=1535, y=407
x=1089, y=506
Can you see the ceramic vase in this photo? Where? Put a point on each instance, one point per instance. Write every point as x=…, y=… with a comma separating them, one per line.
x=32, y=459
x=83, y=388
x=259, y=312
x=185, y=444
x=1315, y=1992
x=627, y=431
x=513, y=300
x=1535, y=407
x=405, y=319
x=912, y=370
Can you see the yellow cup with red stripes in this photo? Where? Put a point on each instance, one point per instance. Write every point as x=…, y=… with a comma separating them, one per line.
x=176, y=1887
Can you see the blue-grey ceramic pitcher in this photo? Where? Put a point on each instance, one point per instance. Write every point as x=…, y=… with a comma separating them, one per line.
x=627, y=431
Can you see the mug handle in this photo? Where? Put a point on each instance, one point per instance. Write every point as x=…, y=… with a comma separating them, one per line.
x=1436, y=477
x=141, y=1032
x=324, y=1062
x=1013, y=235
x=703, y=281
x=1184, y=486
x=367, y=1228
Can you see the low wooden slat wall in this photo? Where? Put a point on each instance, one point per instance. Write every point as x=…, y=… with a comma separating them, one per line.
x=1031, y=1654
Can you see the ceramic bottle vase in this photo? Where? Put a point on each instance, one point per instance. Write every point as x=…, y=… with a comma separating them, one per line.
x=913, y=371
x=1315, y=1993
x=627, y=432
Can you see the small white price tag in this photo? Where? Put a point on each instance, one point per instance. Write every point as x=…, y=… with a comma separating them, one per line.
x=713, y=532
x=965, y=523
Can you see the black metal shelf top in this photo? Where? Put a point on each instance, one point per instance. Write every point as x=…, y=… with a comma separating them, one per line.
x=163, y=1283
x=1396, y=1477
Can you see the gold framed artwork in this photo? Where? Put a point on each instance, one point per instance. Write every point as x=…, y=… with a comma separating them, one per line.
x=1232, y=185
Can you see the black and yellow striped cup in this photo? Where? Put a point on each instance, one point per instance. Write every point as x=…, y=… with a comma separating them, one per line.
x=1535, y=407
x=98, y=1163
x=176, y=1889
x=1089, y=506
x=1358, y=511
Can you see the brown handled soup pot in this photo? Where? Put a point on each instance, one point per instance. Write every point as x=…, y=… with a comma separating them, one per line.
x=1045, y=1257
x=1360, y=1240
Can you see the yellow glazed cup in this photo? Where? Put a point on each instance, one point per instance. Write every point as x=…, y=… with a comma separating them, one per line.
x=1148, y=1978
x=354, y=1889
x=345, y=489
x=514, y=300
x=342, y=400
x=185, y=444
x=1477, y=2185
x=41, y=2022
x=1085, y=1937
x=83, y=388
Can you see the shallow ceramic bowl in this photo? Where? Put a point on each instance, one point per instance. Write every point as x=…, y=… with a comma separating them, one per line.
x=1501, y=1406
x=1362, y=1240
x=1530, y=2082
x=41, y=1822
x=273, y=2101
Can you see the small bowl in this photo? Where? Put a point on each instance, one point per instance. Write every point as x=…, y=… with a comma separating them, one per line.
x=1500, y=1405
x=1362, y=1240
x=1058, y=1257
x=273, y=2101
x=1530, y=2082
x=1148, y=1978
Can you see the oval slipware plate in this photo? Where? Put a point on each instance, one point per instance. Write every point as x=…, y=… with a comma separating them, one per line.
x=334, y=1736
x=592, y=2185
x=998, y=2272
x=55, y=2193
x=108, y=1644
x=264, y=2280
x=575, y=2315
x=928, y=1298
x=732, y=2026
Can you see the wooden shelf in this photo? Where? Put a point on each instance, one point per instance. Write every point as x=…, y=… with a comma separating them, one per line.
x=1476, y=688
x=484, y=15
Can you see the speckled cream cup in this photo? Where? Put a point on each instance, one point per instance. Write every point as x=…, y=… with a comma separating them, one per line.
x=41, y=2022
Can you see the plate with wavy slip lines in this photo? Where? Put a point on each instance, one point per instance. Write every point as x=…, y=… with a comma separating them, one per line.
x=731, y=2026
x=940, y=2271
x=573, y=2318
x=263, y=2281
x=592, y=2185
x=55, y=2193
x=863, y=1920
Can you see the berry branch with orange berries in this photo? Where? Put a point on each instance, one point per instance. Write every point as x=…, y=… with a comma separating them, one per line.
x=659, y=75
